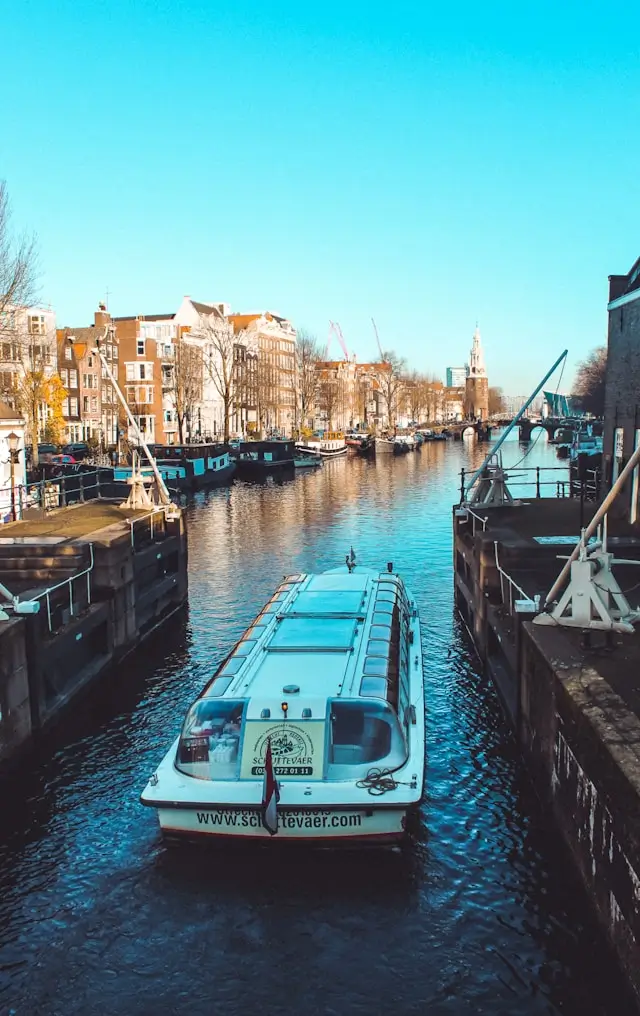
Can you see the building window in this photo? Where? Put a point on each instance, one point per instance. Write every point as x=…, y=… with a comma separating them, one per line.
x=94, y=404
x=73, y=379
x=73, y=407
x=140, y=347
x=36, y=324
x=64, y=377
x=85, y=404
x=131, y=371
x=68, y=353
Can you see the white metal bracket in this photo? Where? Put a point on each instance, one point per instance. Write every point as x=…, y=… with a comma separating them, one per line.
x=491, y=490
x=593, y=598
x=139, y=497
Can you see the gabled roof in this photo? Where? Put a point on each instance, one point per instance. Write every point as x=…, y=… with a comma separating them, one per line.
x=145, y=317
x=206, y=308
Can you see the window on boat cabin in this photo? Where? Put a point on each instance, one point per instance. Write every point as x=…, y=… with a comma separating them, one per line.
x=363, y=733
x=209, y=743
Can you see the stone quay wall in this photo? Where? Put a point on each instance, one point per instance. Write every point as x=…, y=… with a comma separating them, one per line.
x=136, y=577
x=580, y=740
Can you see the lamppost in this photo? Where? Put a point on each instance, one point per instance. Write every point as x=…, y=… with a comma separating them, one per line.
x=13, y=440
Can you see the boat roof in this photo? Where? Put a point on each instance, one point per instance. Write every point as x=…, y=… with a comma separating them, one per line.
x=322, y=634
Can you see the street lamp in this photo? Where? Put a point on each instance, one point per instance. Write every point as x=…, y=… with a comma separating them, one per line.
x=13, y=440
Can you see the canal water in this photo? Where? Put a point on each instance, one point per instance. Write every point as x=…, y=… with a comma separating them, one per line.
x=483, y=913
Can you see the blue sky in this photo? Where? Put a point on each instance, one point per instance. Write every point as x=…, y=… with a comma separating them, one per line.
x=426, y=165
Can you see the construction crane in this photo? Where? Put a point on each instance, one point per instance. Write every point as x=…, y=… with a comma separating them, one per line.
x=378, y=340
x=335, y=329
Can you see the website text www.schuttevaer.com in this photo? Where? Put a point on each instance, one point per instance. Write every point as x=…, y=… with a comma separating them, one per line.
x=297, y=820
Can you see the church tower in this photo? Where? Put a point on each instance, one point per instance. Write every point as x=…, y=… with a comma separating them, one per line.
x=477, y=387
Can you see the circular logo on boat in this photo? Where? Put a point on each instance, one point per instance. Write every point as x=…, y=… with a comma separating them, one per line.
x=291, y=750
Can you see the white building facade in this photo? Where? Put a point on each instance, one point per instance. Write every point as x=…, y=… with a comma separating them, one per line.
x=10, y=500
x=27, y=344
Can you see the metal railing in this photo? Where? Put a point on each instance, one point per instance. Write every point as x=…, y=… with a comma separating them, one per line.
x=54, y=492
x=508, y=582
x=475, y=518
x=46, y=593
x=538, y=479
x=152, y=518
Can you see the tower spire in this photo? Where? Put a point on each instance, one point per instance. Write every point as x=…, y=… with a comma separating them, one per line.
x=476, y=359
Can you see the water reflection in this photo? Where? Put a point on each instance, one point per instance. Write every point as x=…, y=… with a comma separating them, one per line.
x=481, y=914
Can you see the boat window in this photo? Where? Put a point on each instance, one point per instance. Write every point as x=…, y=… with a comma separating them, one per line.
x=217, y=687
x=375, y=666
x=323, y=633
x=378, y=649
x=379, y=631
x=245, y=647
x=363, y=733
x=380, y=617
x=376, y=686
x=383, y=610
x=385, y=597
x=232, y=666
x=210, y=738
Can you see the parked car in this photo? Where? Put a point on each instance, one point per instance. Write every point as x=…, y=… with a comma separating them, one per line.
x=79, y=450
x=62, y=460
x=48, y=449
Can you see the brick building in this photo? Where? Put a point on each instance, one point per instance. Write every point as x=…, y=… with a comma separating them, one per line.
x=622, y=393
x=146, y=343
x=90, y=408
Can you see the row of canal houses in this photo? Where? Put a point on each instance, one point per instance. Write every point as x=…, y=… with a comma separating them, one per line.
x=142, y=353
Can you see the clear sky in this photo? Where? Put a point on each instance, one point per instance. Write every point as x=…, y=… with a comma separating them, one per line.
x=429, y=165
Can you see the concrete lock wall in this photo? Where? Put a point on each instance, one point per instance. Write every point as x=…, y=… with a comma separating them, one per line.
x=15, y=709
x=48, y=658
x=578, y=738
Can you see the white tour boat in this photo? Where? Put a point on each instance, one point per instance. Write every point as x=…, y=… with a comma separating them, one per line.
x=313, y=728
x=329, y=445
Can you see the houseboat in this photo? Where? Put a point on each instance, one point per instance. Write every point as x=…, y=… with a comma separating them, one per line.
x=329, y=445
x=359, y=442
x=187, y=467
x=313, y=728
x=256, y=459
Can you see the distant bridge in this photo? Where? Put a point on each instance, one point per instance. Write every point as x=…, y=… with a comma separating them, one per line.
x=552, y=424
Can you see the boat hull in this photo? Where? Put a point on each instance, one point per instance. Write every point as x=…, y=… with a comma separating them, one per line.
x=325, y=453
x=345, y=826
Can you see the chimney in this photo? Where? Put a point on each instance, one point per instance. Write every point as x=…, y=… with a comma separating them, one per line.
x=102, y=316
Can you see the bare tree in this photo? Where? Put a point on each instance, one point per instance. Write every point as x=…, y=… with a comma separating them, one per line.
x=267, y=390
x=222, y=364
x=589, y=385
x=308, y=353
x=182, y=381
x=18, y=264
x=330, y=390
x=389, y=375
x=496, y=401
